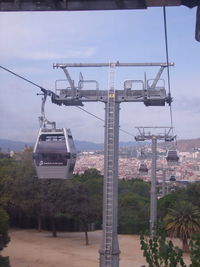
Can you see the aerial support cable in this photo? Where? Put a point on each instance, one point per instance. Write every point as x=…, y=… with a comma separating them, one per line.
x=167, y=60
x=42, y=119
x=46, y=93
x=172, y=155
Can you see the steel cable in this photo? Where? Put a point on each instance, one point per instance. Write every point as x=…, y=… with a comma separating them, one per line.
x=43, y=89
x=168, y=72
x=21, y=77
x=167, y=59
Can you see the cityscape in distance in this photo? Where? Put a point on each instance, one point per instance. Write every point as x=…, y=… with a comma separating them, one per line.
x=91, y=155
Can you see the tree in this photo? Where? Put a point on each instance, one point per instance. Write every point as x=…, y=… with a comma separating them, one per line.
x=22, y=187
x=86, y=200
x=7, y=176
x=89, y=174
x=182, y=221
x=166, y=202
x=133, y=206
x=135, y=186
x=56, y=196
x=192, y=194
x=133, y=213
x=85, y=206
x=4, y=238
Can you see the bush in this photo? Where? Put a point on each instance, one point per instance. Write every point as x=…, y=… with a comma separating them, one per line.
x=4, y=261
x=161, y=253
x=195, y=250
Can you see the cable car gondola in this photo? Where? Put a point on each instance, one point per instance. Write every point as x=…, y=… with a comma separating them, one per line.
x=143, y=168
x=54, y=154
x=172, y=156
x=172, y=178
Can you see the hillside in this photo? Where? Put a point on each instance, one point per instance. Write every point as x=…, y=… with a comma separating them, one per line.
x=8, y=145
x=182, y=145
x=188, y=145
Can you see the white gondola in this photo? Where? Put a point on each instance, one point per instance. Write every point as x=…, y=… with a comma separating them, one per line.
x=54, y=154
x=143, y=169
x=172, y=156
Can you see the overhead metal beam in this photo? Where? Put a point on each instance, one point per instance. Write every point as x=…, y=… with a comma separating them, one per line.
x=117, y=64
x=73, y=5
x=152, y=96
x=154, y=3
x=68, y=97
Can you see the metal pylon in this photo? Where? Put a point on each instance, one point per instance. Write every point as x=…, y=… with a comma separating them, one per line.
x=109, y=252
x=153, y=199
x=144, y=135
x=74, y=96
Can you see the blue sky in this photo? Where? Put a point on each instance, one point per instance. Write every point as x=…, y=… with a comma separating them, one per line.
x=31, y=42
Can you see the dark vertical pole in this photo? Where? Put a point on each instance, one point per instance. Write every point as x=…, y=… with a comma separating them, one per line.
x=164, y=183
x=153, y=204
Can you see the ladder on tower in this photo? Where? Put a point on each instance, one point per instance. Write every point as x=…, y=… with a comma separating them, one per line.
x=108, y=239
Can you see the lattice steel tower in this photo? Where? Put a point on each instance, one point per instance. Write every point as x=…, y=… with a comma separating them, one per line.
x=109, y=251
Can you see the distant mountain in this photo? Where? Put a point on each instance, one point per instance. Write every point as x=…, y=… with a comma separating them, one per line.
x=8, y=145
x=130, y=144
x=188, y=145
x=182, y=145
x=88, y=146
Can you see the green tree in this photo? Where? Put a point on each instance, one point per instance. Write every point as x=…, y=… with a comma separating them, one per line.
x=133, y=213
x=22, y=189
x=192, y=194
x=86, y=200
x=7, y=176
x=182, y=221
x=135, y=186
x=89, y=174
x=166, y=202
x=4, y=238
x=133, y=206
x=56, y=197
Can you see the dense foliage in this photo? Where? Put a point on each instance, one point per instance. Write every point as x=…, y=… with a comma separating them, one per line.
x=76, y=204
x=71, y=205
x=133, y=206
x=195, y=250
x=160, y=252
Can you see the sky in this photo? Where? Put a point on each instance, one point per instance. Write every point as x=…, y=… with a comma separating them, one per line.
x=32, y=41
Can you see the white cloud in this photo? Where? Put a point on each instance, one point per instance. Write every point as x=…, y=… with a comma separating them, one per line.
x=52, y=55
x=31, y=42
x=40, y=37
